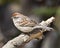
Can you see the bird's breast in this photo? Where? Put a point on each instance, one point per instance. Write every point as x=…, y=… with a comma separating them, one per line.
x=23, y=29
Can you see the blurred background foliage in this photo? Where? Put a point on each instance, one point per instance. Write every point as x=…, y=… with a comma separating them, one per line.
x=44, y=10
x=36, y=9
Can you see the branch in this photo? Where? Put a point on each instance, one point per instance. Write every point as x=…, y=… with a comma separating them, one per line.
x=16, y=41
x=19, y=40
x=44, y=24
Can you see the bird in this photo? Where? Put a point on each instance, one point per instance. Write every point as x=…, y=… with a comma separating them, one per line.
x=26, y=25
x=22, y=22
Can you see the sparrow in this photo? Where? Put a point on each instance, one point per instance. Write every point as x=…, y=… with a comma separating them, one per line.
x=22, y=22
x=26, y=25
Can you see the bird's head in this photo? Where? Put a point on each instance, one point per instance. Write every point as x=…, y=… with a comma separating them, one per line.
x=17, y=15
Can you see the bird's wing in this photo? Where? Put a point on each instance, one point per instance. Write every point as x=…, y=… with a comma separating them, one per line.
x=27, y=22
x=31, y=23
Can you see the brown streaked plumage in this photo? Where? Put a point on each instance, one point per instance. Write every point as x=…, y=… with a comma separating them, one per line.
x=21, y=21
x=16, y=13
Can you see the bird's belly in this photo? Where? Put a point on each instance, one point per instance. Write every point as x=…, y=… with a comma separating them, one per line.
x=24, y=29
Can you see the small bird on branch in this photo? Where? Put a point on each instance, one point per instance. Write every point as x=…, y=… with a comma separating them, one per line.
x=26, y=25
